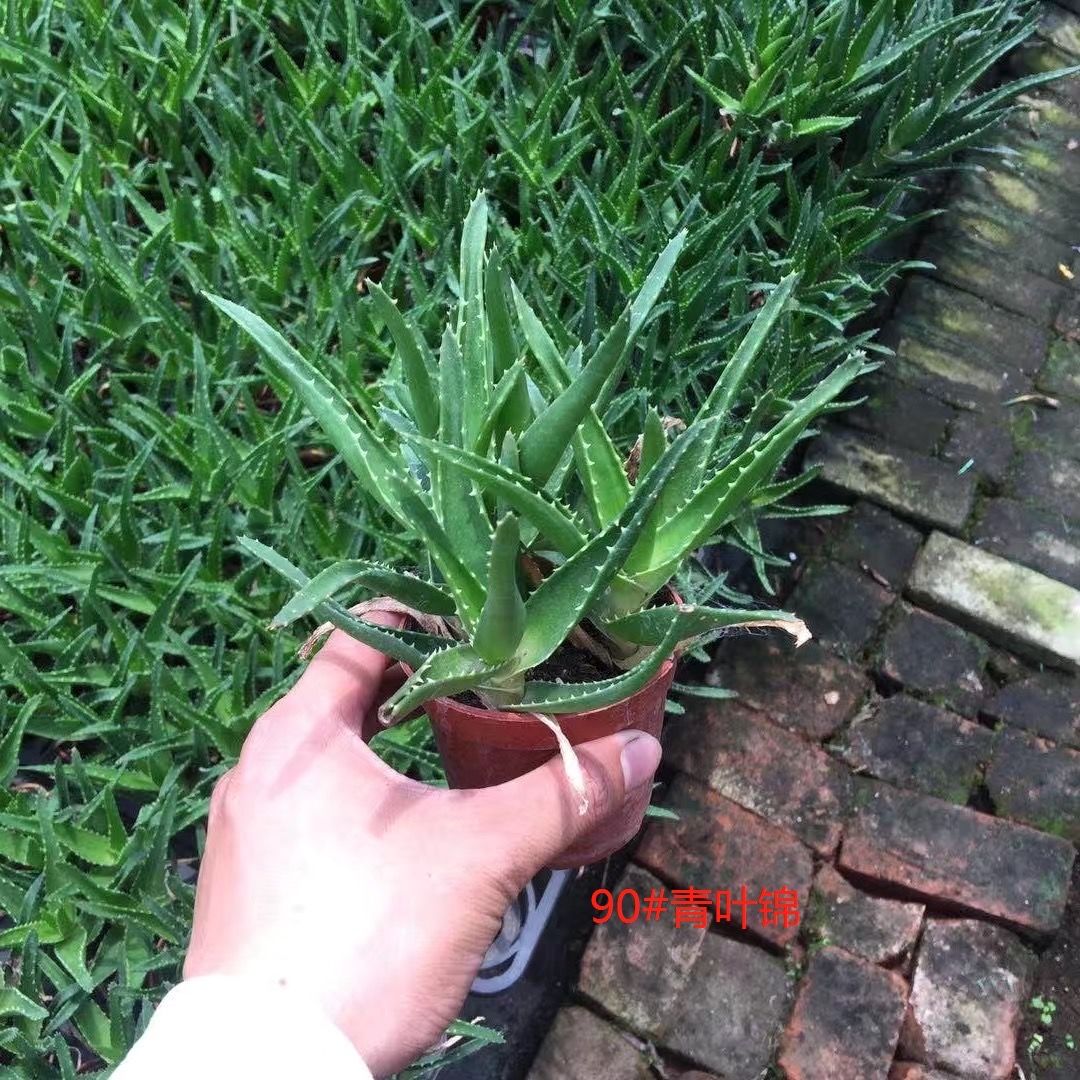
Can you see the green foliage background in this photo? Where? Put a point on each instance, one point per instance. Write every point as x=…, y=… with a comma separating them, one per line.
x=280, y=152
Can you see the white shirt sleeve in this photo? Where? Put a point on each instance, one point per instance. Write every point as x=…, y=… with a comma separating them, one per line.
x=223, y=1027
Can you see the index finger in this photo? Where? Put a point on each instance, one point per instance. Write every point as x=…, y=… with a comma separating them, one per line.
x=343, y=677
x=337, y=691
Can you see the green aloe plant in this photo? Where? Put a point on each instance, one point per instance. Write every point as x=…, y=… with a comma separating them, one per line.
x=539, y=531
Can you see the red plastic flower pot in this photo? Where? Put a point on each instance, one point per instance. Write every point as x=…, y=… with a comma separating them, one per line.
x=483, y=747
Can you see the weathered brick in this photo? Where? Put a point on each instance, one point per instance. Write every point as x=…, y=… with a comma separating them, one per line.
x=1026, y=611
x=970, y=983
x=841, y=605
x=1048, y=481
x=1051, y=59
x=1003, y=667
x=581, y=1046
x=993, y=275
x=807, y=690
x=1045, y=164
x=846, y=1020
x=1043, y=155
x=910, y=1070
x=635, y=971
x=929, y=655
x=716, y=844
x=1060, y=375
x=921, y=488
x=988, y=446
x=1060, y=28
x=879, y=930
x=995, y=338
x=1034, y=781
x=950, y=854
x=1067, y=323
x=1031, y=536
x=997, y=230
x=730, y=1012
x=1040, y=205
x=915, y=745
x=949, y=371
x=877, y=542
x=763, y=768
x=1053, y=430
x=899, y=414
x=799, y=539
x=1046, y=704
x=1038, y=56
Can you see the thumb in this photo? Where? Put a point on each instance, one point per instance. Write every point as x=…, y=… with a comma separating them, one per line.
x=618, y=771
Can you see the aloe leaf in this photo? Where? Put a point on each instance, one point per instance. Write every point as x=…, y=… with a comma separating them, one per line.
x=677, y=492
x=451, y=391
x=911, y=127
x=908, y=44
x=540, y=343
x=751, y=426
x=554, y=522
x=472, y=328
x=404, y=587
x=654, y=282
x=715, y=410
x=601, y=470
x=505, y=411
x=398, y=644
x=653, y=443
x=504, y=350
x=554, y=697
x=652, y=625
x=503, y=618
x=562, y=599
x=476, y=377
x=725, y=394
x=768, y=494
x=515, y=413
x=457, y=501
x=599, y=465
x=721, y=97
x=358, y=446
x=471, y=261
x=414, y=367
x=822, y=125
x=757, y=92
x=865, y=37
x=726, y=493
x=442, y=674
x=992, y=99
x=547, y=437
x=508, y=459
x=364, y=453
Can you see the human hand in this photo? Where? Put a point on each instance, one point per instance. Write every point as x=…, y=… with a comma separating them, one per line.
x=327, y=872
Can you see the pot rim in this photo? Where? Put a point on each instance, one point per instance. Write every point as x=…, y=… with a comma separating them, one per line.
x=521, y=716
x=528, y=717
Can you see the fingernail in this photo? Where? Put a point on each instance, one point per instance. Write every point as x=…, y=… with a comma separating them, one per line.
x=640, y=757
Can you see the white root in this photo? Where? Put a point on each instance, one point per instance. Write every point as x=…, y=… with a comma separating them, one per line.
x=795, y=627
x=571, y=762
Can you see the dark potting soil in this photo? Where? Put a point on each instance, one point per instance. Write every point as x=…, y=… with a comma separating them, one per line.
x=570, y=664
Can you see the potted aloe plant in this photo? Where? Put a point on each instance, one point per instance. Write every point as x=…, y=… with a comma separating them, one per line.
x=545, y=615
